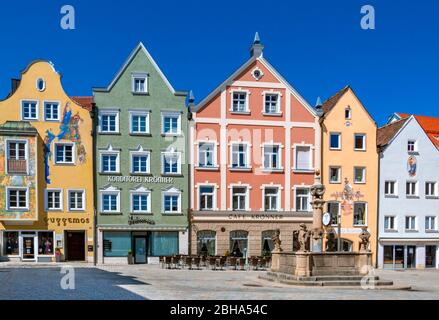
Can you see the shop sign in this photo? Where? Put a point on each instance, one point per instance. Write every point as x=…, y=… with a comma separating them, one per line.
x=133, y=179
x=139, y=220
x=66, y=221
x=256, y=216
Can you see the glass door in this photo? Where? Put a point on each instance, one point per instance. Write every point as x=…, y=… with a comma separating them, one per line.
x=430, y=256
x=140, y=249
x=399, y=257
x=28, y=248
x=411, y=257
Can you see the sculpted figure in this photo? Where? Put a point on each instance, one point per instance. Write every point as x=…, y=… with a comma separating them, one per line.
x=364, y=237
x=303, y=237
x=277, y=242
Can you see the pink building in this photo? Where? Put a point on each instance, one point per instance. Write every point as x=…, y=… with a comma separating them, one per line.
x=255, y=143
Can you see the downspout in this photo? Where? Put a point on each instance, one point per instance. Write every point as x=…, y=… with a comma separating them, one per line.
x=189, y=152
x=378, y=208
x=95, y=241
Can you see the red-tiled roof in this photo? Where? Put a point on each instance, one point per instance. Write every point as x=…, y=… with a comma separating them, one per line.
x=429, y=124
x=86, y=102
x=331, y=102
x=387, y=132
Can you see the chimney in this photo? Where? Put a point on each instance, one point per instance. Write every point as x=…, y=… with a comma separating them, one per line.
x=256, y=48
x=15, y=83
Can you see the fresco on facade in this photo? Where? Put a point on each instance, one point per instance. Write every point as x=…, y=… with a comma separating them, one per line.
x=68, y=130
x=18, y=181
x=412, y=166
x=347, y=197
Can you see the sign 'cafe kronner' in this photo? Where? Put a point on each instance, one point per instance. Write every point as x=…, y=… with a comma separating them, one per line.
x=141, y=166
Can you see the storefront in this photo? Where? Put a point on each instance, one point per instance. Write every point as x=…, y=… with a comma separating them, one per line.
x=409, y=255
x=37, y=246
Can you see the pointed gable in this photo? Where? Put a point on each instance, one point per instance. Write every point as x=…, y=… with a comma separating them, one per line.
x=429, y=124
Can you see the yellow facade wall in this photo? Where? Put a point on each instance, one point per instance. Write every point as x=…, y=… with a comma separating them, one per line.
x=66, y=177
x=347, y=158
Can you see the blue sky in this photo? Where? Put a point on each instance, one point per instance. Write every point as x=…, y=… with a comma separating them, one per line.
x=318, y=46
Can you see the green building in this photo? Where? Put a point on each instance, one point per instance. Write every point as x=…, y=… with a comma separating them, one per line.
x=141, y=164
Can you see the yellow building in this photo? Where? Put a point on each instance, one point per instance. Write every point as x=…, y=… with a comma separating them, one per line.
x=350, y=170
x=46, y=170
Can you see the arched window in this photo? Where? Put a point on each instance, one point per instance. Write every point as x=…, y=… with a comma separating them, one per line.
x=267, y=242
x=346, y=245
x=238, y=243
x=348, y=113
x=206, y=243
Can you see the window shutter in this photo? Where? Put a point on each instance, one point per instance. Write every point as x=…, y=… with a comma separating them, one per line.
x=303, y=159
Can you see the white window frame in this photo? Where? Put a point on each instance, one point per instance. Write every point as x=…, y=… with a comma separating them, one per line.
x=140, y=113
x=140, y=192
x=58, y=104
x=73, y=145
x=46, y=199
x=279, y=156
x=339, y=175
x=311, y=162
x=435, y=194
x=278, y=105
x=364, y=141
x=278, y=189
x=338, y=203
x=415, y=146
x=171, y=192
x=109, y=112
x=247, y=99
x=109, y=191
x=247, y=155
x=349, y=109
x=109, y=151
x=171, y=114
x=82, y=191
x=395, y=188
x=364, y=175
x=416, y=194
x=247, y=196
x=302, y=187
x=411, y=218
x=215, y=160
x=208, y=185
x=140, y=153
x=365, y=214
x=430, y=228
x=339, y=140
x=139, y=76
x=37, y=111
x=394, y=218
x=171, y=152
x=26, y=152
x=8, y=207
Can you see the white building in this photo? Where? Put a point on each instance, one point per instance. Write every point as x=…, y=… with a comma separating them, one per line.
x=408, y=235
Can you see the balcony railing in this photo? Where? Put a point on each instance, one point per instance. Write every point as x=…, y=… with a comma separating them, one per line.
x=17, y=166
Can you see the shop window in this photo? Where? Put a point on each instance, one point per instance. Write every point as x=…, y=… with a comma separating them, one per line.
x=267, y=242
x=430, y=256
x=346, y=245
x=45, y=243
x=206, y=243
x=117, y=244
x=163, y=244
x=11, y=244
x=238, y=243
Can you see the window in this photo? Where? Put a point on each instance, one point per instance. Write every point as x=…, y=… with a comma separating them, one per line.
x=411, y=146
x=117, y=244
x=272, y=157
x=335, y=141
x=348, y=113
x=140, y=83
x=334, y=211
x=359, y=213
x=206, y=198
x=109, y=162
x=29, y=110
x=45, y=243
x=431, y=189
x=360, y=174
x=390, y=188
x=271, y=199
x=16, y=157
x=271, y=103
x=17, y=198
x=140, y=202
x=239, y=155
x=430, y=223
x=389, y=223
x=206, y=154
x=64, y=153
x=171, y=123
x=334, y=174
x=410, y=223
x=171, y=163
x=110, y=202
x=163, y=243
x=54, y=199
x=51, y=111
x=303, y=158
x=109, y=121
x=239, y=103
x=360, y=142
x=76, y=200
x=238, y=243
x=239, y=198
x=267, y=242
x=171, y=203
x=411, y=189
x=41, y=84
x=11, y=243
x=206, y=243
x=140, y=163
x=302, y=200
x=139, y=122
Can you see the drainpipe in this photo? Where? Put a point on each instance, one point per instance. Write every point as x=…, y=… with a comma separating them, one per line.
x=93, y=114
x=191, y=100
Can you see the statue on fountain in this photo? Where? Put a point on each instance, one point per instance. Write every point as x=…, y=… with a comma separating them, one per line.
x=277, y=242
x=304, y=236
x=365, y=240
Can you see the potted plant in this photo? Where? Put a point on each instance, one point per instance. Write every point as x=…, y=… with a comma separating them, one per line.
x=58, y=255
x=130, y=257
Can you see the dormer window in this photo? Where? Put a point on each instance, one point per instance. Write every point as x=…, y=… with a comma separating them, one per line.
x=140, y=83
x=348, y=113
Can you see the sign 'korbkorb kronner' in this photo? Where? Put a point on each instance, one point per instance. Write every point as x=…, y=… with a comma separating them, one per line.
x=137, y=179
